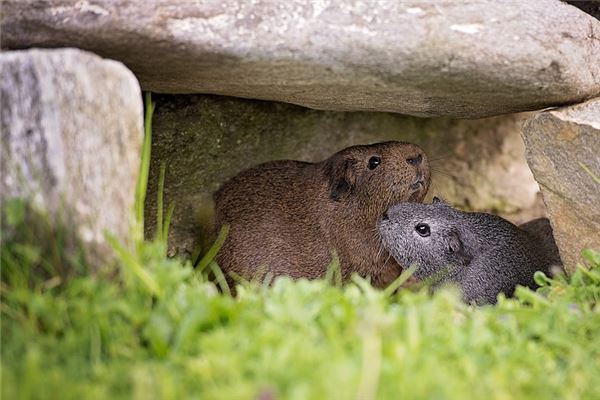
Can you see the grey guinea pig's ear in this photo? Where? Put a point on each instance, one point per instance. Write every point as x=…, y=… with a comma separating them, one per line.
x=341, y=176
x=438, y=201
x=455, y=247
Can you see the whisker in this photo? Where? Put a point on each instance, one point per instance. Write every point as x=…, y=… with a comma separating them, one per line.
x=388, y=258
x=375, y=237
x=437, y=171
x=442, y=157
x=380, y=251
x=434, y=187
x=436, y=159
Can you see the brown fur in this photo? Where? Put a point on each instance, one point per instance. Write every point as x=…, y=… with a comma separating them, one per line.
x=286, y=217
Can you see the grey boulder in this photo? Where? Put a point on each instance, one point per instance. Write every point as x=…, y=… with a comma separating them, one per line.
x=71, y=142
x=563, y=151
x=464, y=59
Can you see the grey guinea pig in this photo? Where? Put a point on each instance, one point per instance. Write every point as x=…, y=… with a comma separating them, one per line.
x=481, y=253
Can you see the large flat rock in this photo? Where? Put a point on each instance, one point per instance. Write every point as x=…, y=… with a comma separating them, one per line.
x=204, y=140
x=591, y=7
x=71, y=142
x=563, y=150
x=448, y=58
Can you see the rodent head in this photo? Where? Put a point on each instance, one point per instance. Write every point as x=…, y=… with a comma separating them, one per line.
x=378, y=175
x=424, y=235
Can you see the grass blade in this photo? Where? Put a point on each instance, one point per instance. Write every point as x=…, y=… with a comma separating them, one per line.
x=132, y=265
x=159, y=201
x=407, y=273
x=220, y=278
x=142, y=183
x=167, y=223
x=214, y=249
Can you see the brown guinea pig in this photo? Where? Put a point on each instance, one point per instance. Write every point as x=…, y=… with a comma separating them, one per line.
x=288, y=217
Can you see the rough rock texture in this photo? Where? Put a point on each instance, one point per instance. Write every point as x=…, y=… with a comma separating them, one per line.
x=591, y=7
x=425, y=58
x=563, y=150
x=204, y=140
x=71, y=141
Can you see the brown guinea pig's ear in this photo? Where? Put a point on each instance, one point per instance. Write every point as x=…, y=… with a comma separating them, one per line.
x=341, y=176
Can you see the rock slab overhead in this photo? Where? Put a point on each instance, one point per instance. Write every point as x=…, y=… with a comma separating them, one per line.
x=465, y=59
x=563, y=151
x=71, y=141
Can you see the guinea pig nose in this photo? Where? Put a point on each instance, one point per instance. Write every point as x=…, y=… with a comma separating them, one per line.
x=415, y=160
x=385, y=216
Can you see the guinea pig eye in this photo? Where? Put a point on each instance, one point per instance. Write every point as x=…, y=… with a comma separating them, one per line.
x=423, y=230
x=374, y=162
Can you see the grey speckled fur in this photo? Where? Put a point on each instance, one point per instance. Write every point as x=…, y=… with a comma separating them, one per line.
x=482, y=253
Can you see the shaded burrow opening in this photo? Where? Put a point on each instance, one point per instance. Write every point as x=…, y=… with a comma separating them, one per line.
x=203, y=140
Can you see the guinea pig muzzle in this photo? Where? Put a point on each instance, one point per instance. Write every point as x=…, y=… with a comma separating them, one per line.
x=418, y=185
x=417, y=188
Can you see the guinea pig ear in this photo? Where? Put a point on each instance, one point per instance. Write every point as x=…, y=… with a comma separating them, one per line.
x=438, y=201
x=342, y=177
x=456, y=249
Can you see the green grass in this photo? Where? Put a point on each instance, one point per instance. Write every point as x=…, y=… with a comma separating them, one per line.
x=158, y=328
x=179, y=337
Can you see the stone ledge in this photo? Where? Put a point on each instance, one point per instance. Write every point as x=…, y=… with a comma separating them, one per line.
x=458, y=59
